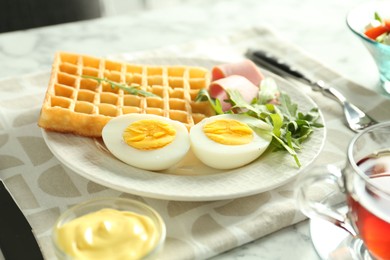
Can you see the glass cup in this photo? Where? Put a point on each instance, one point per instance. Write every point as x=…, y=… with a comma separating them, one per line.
x=363, y=185
x=357, y=20
x=119, y=204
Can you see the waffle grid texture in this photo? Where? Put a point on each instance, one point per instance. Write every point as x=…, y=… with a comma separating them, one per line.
x=76, y=104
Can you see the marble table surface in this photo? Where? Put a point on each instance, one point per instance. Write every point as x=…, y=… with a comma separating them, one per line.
x=316, y=26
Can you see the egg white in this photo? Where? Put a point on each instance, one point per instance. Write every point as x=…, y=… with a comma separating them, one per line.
x=221, y=156
x=154, y=160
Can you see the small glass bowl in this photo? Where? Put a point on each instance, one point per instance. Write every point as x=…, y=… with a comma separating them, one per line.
x=357, y=20
x=120, y=204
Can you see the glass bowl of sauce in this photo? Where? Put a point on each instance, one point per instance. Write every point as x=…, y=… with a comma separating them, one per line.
x=109, y=228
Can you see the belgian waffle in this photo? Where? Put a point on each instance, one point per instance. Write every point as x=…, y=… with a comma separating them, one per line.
x=75, y=103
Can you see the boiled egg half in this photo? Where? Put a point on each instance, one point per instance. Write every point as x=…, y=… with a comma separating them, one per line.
x=227, y=141
x=146, y=141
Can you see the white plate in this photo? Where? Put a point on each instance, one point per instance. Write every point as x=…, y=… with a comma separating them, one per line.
x=190, y=180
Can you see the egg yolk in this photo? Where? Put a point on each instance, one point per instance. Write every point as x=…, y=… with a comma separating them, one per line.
x=149, y=134
x=228, y=132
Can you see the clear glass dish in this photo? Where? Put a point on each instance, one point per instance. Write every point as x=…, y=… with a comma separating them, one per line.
x=120, y=204
x=357, y=20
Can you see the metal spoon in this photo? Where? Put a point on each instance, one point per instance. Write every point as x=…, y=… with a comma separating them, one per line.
x=355, y=118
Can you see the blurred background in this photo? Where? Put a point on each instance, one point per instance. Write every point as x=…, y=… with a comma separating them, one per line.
x=318, y=27
x=25, y=14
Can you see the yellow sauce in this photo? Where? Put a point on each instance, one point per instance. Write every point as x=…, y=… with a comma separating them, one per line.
x=108, y=234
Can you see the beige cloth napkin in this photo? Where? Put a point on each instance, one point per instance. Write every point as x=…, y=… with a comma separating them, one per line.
x=44, y=188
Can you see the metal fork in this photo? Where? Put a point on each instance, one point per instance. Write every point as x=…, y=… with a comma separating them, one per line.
x=355, y=118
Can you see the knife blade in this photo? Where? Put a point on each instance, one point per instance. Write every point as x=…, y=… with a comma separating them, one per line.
x=17, y=240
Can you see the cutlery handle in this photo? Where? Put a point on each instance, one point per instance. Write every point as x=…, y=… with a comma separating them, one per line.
x=275, y=63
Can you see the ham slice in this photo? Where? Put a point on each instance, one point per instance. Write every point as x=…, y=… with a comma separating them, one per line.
x=245, y=68
x=219, y=87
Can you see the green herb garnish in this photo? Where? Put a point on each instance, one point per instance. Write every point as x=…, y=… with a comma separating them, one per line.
x=290, y=128
x=131, y=89
x=203, y=95
x=378, y=17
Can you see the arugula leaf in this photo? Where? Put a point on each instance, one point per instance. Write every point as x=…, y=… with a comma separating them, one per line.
x=268, y=91
x=288, y=108
x=256, y=124
x=132, y=89
x=378, y=17
x=237, y=101
x=290, y=127
x=203, y=95
x=277, y=122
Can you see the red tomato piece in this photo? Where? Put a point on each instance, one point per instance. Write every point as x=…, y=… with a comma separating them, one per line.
x=387, y=24
x=374, y=32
